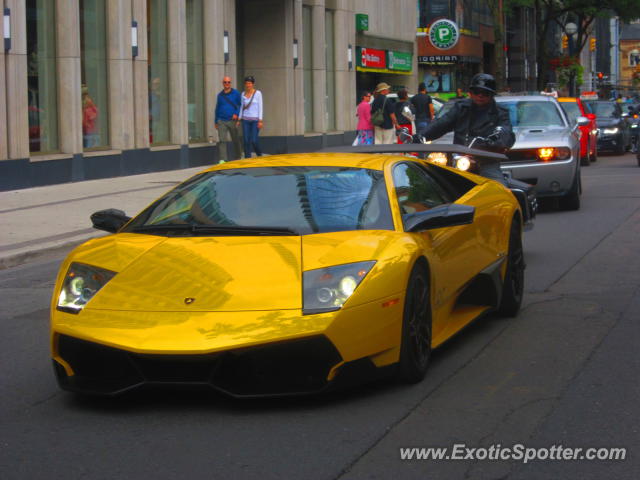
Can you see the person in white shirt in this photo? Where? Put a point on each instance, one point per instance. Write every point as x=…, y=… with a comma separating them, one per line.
x=251, y=116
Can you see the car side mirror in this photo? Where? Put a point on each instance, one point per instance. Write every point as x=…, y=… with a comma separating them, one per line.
x=110, y=220
x=590, y=116
x=583, y=121
x=449, y=215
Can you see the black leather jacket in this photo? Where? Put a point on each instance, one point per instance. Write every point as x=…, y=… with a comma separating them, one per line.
x=468, y=121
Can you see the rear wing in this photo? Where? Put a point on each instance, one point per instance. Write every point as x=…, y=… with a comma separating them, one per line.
x=409, y=148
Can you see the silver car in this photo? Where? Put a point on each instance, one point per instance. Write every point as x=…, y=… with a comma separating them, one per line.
x=547, y=149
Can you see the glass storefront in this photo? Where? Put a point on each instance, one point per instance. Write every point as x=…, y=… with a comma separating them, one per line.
x=195, y=71
x=93, y=48
x=41, y=76
x=307, y=55
x=158, y=39
x=331, y=70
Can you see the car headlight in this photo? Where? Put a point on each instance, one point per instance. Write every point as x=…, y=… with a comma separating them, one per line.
x=611, y=131
x=635, y=125
x=553, y=153
x=80, y=284
x=439, y=158
x=462, y=162
x=326, y=289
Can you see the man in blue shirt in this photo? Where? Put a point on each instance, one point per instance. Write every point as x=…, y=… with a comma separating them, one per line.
x=227, y=111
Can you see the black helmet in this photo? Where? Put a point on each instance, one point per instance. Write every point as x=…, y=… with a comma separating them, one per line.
x=483, y=81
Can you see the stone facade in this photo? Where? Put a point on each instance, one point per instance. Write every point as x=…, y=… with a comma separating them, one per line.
x=261, y=35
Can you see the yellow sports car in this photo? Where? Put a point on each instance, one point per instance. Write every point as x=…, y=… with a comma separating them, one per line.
x=287, y=274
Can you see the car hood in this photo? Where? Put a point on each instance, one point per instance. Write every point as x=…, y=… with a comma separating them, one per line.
x=198, y=273
x=607, y=121
x=218, y=274
x=536, y=137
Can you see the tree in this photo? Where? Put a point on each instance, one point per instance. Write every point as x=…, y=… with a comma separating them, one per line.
x=549, y=13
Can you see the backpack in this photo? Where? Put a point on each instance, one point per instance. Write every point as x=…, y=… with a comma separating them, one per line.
x=377, y=117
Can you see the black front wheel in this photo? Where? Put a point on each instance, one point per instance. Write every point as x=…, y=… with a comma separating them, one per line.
x=415, y=349
x=571, y=201
x=513, y=283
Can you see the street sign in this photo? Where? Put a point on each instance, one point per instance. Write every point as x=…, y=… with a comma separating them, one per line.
x=399, y=61
x=362, y=22
x=371, y=58
x=444, y=34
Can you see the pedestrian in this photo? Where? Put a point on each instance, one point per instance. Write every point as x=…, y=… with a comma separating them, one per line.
x=226, y=120
x=251, y=116
x=459, y=94
x=383, y=116
x=424, y=108
x=90, y=136
x=365, y=127
x=405, y=113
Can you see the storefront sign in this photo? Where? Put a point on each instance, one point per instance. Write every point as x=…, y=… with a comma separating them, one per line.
x=438, y=59
x=444, y=34
x=371, y=58
x=362, y=22
x=399, y=60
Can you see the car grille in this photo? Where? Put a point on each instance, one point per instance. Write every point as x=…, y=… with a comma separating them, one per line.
x=296, y=366
x=528, y=155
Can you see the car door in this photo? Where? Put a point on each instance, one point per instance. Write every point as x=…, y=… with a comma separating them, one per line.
x=452, y=250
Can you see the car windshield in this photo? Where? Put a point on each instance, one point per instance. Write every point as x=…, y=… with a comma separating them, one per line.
x=290, y=200
x=604, y=109
x=572, y=110
x=532, y=113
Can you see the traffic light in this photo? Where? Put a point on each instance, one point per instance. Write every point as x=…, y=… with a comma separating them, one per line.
x=600, y=75
x=565, y=42
x=592, y=44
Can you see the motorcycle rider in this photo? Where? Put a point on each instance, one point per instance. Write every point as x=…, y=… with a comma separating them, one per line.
x=477, y=116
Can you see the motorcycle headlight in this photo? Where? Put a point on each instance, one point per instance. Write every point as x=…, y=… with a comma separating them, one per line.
x=463, y=163
x=326, y=289
x=635, y=125
x=80, y=284
x=439, y=158
x=611, y=131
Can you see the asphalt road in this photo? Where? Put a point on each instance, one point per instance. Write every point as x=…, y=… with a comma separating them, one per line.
x=564, y=372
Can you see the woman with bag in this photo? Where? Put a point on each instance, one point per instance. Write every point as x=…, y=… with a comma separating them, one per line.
x=251, y=116
x=365, y=127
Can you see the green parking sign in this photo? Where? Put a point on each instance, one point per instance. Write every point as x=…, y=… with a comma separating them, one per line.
x=444, y=34
x=362, y=22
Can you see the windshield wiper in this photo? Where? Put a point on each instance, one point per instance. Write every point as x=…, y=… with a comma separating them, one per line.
x=220, y=229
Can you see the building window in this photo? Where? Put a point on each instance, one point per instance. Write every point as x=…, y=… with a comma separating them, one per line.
x=331, y=70
x=93, y=47
x=307, y=61
x=158, y=36
x=195, y=71
x=634, y=58
x=41, y=76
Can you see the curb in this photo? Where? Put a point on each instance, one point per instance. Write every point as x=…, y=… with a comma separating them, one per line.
x=26, y=257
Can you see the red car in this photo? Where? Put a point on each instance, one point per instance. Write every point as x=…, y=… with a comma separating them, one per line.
x=574, y=107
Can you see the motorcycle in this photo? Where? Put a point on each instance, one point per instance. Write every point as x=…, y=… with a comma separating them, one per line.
x=485, y=167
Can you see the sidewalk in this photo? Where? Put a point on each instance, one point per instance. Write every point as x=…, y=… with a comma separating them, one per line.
x=42, y=220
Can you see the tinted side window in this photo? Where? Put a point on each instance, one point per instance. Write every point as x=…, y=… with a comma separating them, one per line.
x=416, y=191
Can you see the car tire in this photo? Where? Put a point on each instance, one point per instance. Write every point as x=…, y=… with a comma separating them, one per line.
x=415, y=347
x=571, y=201
x=585, y=161
x=513, y=284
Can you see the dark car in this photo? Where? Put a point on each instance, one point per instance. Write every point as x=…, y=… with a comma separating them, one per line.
x=614, y=134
